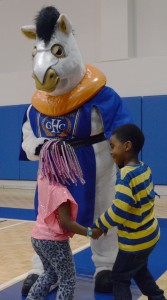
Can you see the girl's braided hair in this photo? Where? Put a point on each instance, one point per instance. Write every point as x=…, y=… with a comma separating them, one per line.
x=59, y=163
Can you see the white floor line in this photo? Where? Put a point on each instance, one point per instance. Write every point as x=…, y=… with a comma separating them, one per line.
x=81, y=248
x=5, y=285
x=23, y=276
x=161, y=190
x=13, y=225
x=17, y=184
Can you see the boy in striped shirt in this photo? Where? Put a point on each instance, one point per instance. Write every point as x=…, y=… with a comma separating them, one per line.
x=132, y=211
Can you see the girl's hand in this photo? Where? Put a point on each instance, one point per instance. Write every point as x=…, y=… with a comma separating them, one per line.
x=96, y=233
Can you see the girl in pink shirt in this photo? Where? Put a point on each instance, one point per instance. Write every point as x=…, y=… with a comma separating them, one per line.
x=55, y=224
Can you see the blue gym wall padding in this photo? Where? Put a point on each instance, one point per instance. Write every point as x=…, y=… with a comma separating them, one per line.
x=10, y=140
x=134, y=106
x=11, y=118
x=154, y=125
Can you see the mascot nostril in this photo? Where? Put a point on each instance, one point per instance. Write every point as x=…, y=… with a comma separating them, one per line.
x=52, y=75
x=51, y=80
x=75, y=104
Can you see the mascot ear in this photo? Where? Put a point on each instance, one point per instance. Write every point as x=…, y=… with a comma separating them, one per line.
x=64, y=24
x=29, y=31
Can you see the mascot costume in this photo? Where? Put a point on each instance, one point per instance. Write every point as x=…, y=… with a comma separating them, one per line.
x=73, y=103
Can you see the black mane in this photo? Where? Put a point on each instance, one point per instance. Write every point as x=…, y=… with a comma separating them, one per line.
x=45, y=22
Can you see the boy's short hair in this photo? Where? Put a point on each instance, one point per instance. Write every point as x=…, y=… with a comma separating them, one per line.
x=130, y=132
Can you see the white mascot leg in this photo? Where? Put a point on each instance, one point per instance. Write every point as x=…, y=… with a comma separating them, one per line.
x=104, y=249
x=37, y=265
x=33, y=274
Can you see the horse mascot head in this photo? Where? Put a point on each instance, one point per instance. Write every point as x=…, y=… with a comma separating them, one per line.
x=58, y=67
x=57, y=63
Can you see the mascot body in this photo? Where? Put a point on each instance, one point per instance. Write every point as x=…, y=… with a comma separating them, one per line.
x=72, y=102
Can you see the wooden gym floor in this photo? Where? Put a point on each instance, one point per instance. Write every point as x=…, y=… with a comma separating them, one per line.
x=16, y=251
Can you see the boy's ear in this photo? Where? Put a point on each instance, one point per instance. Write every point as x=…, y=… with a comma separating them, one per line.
x=128, y=145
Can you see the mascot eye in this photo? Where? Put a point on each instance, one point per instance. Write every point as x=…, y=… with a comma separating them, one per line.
x=34, y=51
x=57, y=51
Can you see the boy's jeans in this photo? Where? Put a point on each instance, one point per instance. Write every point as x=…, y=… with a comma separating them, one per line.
x=128, y=266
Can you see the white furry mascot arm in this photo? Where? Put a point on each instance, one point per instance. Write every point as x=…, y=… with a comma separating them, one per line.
x=30, y=143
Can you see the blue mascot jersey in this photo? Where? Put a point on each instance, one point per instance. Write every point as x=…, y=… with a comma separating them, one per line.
x=77, y=124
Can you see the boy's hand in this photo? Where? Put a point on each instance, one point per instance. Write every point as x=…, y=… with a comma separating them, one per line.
x=96, y=233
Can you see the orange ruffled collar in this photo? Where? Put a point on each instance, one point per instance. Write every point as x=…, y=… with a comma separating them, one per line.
x=54, y=106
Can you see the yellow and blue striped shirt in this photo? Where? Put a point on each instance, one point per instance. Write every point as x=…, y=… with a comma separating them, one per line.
x=132, y=210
